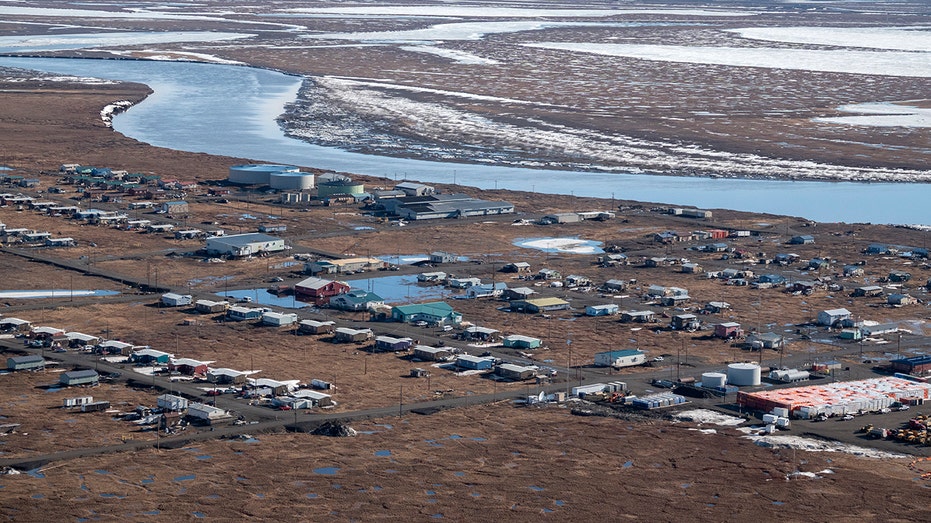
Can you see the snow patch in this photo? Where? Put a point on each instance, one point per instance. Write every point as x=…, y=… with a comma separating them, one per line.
x=813, y=445
x=709, y=416
x=893, y=38
x=882, y=115
x=459, y=57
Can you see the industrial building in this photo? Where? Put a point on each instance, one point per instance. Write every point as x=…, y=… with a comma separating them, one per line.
x=838, y=398
x=620, y=358
x=343, y=266
x=444, y=206
x=744, y=374
x=172, y=402
x=241, y=245
x=260, y=174
x=916, y=365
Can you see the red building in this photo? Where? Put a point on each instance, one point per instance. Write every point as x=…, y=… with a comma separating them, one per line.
x=318, y=290
x=188, y=367
x=728, y=330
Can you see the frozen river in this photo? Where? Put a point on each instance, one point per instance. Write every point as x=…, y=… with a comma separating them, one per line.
x=231, y=110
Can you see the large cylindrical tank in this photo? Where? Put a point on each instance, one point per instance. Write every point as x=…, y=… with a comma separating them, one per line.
x=743, y=374
x=257, y=173
x=327, y=189
x=291, y=181
x=713, y=379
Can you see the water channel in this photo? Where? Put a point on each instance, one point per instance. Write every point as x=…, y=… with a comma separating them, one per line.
x=231, y=110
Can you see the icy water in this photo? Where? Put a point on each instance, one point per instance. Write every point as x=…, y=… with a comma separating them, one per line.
x=191, y=101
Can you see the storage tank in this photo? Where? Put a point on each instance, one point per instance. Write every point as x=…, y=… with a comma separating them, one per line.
x=743, y=374
x=257, y=173
x=713, y=379
x=291, y=181
x=327, y=189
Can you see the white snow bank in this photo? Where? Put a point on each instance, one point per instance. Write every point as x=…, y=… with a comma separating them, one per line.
x=894, y=38
x=459, y=57
x=440, y=11
x=887, y=63
x=813, y=445
x=709, y=416
x=882, y=115
x=567, y=245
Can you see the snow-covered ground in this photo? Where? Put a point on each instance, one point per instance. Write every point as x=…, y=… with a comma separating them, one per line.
x=28, y=43
x=887, y=63
x=709, y=416
x=894, y=38
x=882, y=115
x=492, y=11
x=459, y=57
x=562, y=245
x=813, y=445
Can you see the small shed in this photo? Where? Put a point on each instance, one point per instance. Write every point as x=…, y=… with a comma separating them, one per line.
x=172, y=402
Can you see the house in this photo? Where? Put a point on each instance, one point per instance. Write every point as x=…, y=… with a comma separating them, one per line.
x=347, y=335
x=805, y=287
x=560, y=217
x=614, y=285
x=462, y=283
x=574, y=280
x=28, y=362
x=390, y=344
x=224, y=376
x=431, y=277
x=270, y=387
x=613, y=259
x=548, y=274
x=786, y=259
x=667, y=237
x=175, y=208
x=853, y=271
x=535, y=305
x=14, y=325
x=188, y=366
x=75, y=378
x=714, y=247
x=149, y=356
x=899, y=299
x=607, y=309
x=172, y=299
x=674, y=301
x=516, y=267
x=692, y=268
x=802, y=240
x=172, y=402
x=242, y=245
x=482, y=334
x=469, y=362
x=317, y=399
x=210, y=306
x=203, y=413
x=443, y=257
x=879, y=329
x=318, y=290
x=356, y=300
x=239, y=313
x=47, y=333
x=510, y=371
x=425, y=353
x=279, y=319
x=657, y=261
x=77, y=339
x=684, y=322
x=344, y=266
x=620, y=358
x=638, y=316
x=877, y=248
x=899, y=276
x=817, y=264
x=766, y=340
x=316, y=327
x=832, y=317
x=486, y=290
x=517, y=341
x=517, y=293
x=771, y=279
x=434, y=313
x=115, y=347
x=728, y=330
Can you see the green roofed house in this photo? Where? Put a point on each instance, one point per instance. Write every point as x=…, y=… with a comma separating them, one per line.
x=438, y=312
x=516, y=341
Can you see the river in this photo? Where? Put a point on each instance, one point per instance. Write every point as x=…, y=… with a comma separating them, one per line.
x=231, y=110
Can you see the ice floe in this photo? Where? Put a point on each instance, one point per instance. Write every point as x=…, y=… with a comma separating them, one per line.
x=455, y=11
x=882, y=115
x=27, y=43
x=459, y=57
x=894, y=38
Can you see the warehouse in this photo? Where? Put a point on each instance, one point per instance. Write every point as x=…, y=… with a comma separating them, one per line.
x=839, y=398
x=516, y=341
x=241, y=245
x=444, y=206
x=29, y=362
x=79, y=377
x=916, y=365
x=509, y=371
x=344, y=265
x=535, y=305
x=620, y=358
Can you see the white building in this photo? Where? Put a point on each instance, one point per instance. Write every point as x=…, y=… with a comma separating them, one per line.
x=241, y=245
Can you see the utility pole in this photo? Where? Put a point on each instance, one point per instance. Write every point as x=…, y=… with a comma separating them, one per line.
x=401, y=402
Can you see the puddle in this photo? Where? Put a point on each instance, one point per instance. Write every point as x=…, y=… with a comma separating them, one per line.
x=102, y=472
x=391, y=471
x=111, y=495
x=685, y=485
x=261, y=296
x=459, y=474
x=382, y=453
x=547, y=510
x=535, y=488
x=204, y=456
x=433, y=443
x=559, y=503
x=336, y=486
x=213, y=496
x=36, y=473
x=260, y=496
x=778, y=503
x=401, y=289
x=151, y=512
x=199, y=515
x=385, y=425
x=311, y=495
x=479, y=439
x=377, y=488
x=437, y=516
x=52, y=389
x=38, y=496
x=430, y=492
x=188, y=477
x=628, y=464
x=476, y=495
x=455, y=436
x=326, y=471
